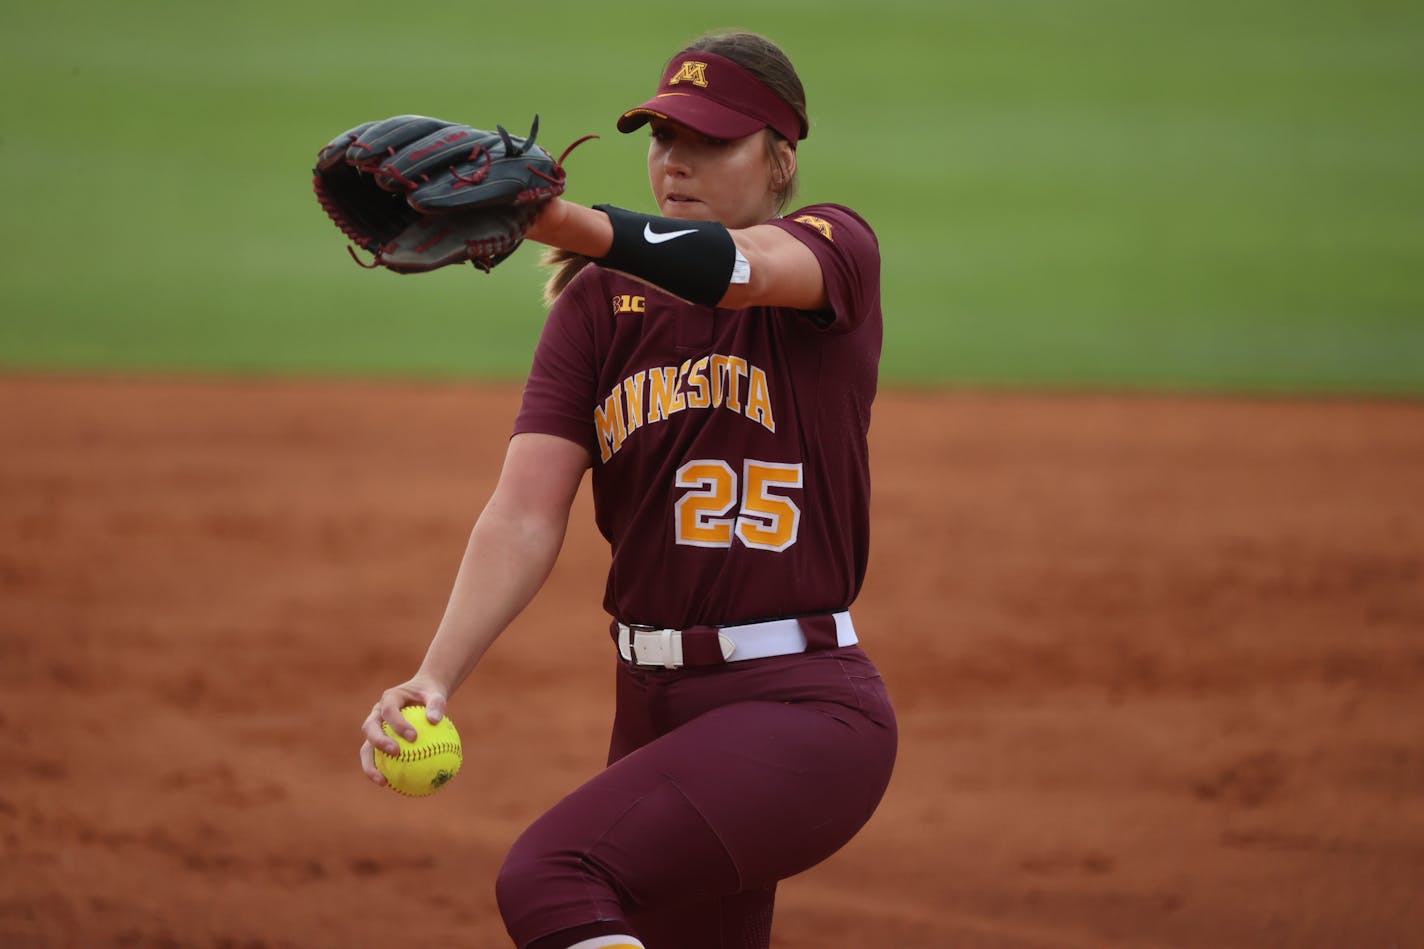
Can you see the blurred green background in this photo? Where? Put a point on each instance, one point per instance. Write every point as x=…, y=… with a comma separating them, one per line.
x=1219, y=195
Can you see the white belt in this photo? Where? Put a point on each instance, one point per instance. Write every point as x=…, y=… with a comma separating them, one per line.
x=662, y=648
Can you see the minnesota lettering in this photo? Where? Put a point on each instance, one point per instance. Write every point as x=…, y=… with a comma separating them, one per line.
x=657, y=394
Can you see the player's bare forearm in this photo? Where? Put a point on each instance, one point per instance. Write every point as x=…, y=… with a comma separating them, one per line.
x=509, y=555
x=572, y=227
x=505, y=563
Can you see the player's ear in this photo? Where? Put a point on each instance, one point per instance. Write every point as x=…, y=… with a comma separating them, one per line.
x=783, y=161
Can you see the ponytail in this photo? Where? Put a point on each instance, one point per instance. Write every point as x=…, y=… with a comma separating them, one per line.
x=566, y=266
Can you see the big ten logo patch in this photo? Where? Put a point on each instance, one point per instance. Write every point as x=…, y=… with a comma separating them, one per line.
x=629, y=303
x=819, y=224
x=690, y=71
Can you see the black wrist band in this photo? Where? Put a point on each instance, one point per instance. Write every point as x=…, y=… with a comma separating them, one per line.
x=689, y=259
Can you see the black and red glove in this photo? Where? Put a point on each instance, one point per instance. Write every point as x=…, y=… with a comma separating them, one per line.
x=422, y=193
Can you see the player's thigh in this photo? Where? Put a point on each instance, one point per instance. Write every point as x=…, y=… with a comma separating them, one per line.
x=735, y=799
x=782, y=785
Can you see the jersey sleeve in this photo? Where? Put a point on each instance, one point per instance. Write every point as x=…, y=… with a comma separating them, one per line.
x=559, y=393
x=849, y=254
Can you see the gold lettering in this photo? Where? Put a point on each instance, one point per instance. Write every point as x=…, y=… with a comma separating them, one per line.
x=633, y=392
x=719, y=369
x=697, y=378
x=663, y=397
x=657, y=394
x=736, y=371
x=682, y=376
x=609, y=421
x=759, y=401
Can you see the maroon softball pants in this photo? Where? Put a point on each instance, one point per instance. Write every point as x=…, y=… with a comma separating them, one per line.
x=721, y=781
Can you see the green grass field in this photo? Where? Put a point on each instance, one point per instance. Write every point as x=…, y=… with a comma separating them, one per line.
x=1124, y=194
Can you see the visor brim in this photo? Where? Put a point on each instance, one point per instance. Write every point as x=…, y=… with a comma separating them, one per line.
x=697, y=113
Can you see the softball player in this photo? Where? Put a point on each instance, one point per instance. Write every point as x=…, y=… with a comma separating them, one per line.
x=716, y=370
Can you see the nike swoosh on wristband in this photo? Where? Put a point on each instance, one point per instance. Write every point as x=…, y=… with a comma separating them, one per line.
x=653, y=237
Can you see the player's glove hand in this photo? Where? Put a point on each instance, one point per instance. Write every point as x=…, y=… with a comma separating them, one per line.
x=422, y=193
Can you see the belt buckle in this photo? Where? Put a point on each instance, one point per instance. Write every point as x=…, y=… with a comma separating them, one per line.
x=664, y=637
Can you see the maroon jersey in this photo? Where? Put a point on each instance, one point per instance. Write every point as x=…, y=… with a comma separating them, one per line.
x=731, y=473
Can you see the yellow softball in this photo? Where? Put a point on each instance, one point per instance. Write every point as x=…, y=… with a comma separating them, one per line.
x=427, y=764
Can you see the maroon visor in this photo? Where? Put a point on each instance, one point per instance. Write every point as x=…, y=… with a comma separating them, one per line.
x=714, y=96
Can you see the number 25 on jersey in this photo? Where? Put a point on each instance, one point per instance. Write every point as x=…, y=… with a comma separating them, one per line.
x=765, y=519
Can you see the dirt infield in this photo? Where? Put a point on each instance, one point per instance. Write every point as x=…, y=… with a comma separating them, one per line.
x=1158, y=665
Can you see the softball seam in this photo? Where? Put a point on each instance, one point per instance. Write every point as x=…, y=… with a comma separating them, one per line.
x=421, y=752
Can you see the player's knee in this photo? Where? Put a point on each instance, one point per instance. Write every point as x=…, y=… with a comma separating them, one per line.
x=540, y=883
x=522, y=878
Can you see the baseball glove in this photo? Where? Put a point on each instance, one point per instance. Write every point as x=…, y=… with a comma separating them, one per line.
x=422, y=193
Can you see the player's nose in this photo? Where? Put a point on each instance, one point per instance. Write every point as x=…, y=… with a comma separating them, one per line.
x=677, y=163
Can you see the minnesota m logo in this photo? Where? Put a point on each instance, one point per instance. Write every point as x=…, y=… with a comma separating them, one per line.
x=819, y=224
x=695, y=73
